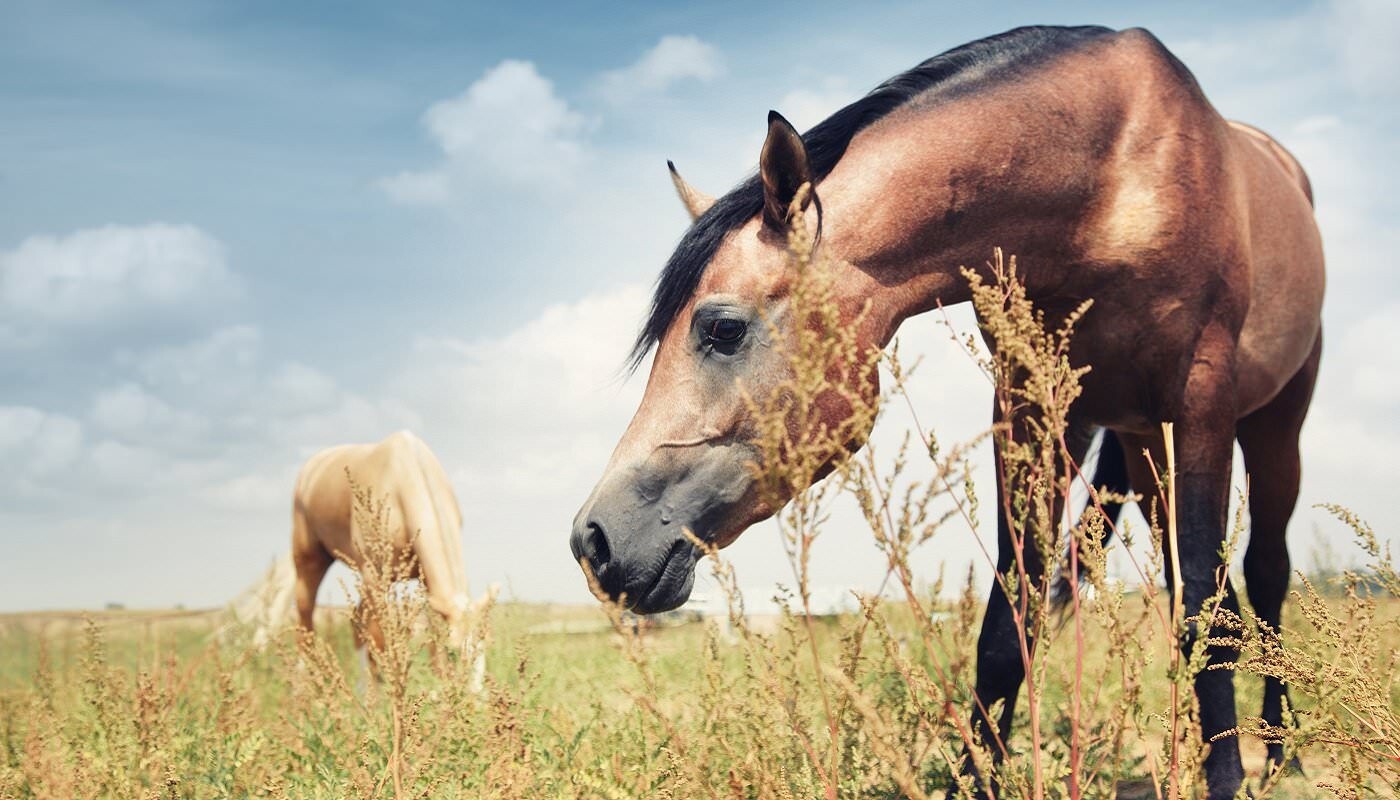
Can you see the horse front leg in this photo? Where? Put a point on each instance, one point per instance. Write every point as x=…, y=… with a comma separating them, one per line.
x=1204, y=444
x=1006, y=643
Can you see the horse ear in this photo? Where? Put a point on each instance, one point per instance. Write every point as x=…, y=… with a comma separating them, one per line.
x=784, y=168
x=696, y=201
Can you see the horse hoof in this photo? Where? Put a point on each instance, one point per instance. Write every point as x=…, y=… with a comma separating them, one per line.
x=1226, y=784
x=1142, y=789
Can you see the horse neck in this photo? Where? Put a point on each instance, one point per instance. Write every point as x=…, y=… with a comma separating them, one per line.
x=438, y=526
x=925, y=193
x=442, y=569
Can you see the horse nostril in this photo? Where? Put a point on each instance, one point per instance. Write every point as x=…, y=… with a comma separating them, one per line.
x=595, y=547
x=589, y=543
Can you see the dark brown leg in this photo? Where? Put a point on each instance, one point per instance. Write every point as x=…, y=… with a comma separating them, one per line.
x=1269, y=439
x=1000, y=668
x=1204, y=442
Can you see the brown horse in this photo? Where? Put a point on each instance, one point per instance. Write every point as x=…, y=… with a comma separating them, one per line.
x=422, y=514
x=1095, y=157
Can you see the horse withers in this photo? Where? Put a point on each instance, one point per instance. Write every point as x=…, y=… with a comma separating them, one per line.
x=422, y=516
x=1095, y=157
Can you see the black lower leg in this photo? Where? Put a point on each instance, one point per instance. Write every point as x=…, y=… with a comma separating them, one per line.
x=1266, y=571
x=1206, y=592
x=1215, y=691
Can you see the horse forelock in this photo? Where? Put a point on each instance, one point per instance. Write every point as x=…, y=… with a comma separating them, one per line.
x=969, y=67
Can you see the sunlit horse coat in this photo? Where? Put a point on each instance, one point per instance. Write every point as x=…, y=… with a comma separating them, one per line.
x=422, y=513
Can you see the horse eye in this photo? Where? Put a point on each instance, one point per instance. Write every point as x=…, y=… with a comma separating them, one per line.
x=724, y=336
x=727, y=330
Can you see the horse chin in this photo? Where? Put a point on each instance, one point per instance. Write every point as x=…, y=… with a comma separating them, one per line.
x=666, y=598
x=673, y=585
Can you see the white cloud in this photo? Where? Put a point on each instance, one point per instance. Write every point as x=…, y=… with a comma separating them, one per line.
x=210, y=421
x=1296, y=62
x=523, y=422
x=511, y=110
x=127, y=407
x=673, y=59
x=508, y=126
x=297, y=388
x=132, y=414
x=536, y=391
x=1349, y=192
x=36, y=443
x=349, y=417
x=216, y=368
x=511, y=129
x=287, y=405
x=126, y=464
x=100, y=275
x=205, y=420
x=568, y=350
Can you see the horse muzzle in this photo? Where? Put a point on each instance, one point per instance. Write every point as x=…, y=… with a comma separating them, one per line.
x=646, y=580
x=632, y=532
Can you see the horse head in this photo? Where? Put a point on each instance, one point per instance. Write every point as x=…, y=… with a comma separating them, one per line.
x=688, y=464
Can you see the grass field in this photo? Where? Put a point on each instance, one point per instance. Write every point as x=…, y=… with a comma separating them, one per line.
x=137, y=704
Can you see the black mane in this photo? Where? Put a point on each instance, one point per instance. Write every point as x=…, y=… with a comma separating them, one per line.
x=969, y=67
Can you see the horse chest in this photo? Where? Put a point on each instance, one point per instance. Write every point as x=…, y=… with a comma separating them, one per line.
x=1138, y=359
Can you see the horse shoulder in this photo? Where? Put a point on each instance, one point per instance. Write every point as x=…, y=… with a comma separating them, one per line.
x=1162, y=170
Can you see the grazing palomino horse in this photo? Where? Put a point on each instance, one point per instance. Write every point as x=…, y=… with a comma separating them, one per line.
x=1094, y=156
x=422, y=513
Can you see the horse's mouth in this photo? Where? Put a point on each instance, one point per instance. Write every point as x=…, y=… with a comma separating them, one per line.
x=673, y=582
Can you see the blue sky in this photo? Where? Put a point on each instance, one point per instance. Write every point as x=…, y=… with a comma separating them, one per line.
x=232, y=234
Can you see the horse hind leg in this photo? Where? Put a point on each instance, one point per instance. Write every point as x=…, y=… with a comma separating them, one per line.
x=1269, y=440
x=1110, y=474
x=311, y=560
